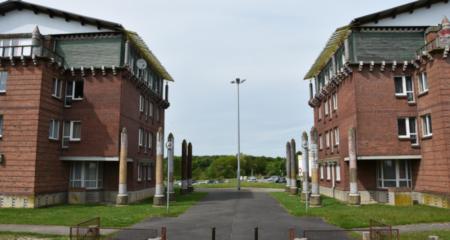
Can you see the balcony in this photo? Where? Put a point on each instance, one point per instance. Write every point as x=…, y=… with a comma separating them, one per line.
x=29, y=51
x=440, y=43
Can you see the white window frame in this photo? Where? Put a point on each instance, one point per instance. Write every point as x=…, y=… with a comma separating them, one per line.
x=57, y=88
x=149, y=172
x=72, y=123
x=335, y=103
x=139, y=174
x=4, y=79
x=409, y=134
x=405, y=92
x=145, y=139
x=141, y=103
x=150, y=140
x=427, y=125
x=321, y=172
x=326, y=108
x=327, y=139
x=54, y=129
x=1, y=125
x=338, y=172
x=320, y=142
x=82, y=180
x=328, y=172
x=73, y=90
x=141, y=137
x=319, y=109
x=336, y=136
x=423, y=82
x=150, y=108
x=146, y=107
x=408, y=173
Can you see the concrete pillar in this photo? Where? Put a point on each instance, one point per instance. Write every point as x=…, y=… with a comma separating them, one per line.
x=158, y=199
x=315, y=200
x=170, y=156
x=354, y=198
x=293, y=158
x=288, y=166
x=305, y=159
x=122, y=196
x=189, y=168
x=184, y=183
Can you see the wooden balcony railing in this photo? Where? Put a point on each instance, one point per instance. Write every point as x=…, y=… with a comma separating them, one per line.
x=30, y=51
x=439, y=43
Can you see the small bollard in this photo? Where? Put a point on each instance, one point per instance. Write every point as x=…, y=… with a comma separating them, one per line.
x=256, y=233
x=213, y=233
x=163, y=233
x=291, y=234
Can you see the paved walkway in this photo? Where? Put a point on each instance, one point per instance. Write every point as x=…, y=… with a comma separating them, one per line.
x=235, y=215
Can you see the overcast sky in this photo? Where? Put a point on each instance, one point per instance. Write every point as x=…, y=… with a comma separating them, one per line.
x=205, y=44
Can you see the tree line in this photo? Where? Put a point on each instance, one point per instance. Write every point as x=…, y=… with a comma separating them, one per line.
x=224, y=166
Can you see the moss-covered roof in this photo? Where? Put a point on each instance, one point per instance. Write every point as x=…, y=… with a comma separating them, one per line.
x=147, y=54
x=333, y=44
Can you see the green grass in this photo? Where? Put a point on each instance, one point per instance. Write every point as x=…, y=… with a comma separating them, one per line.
x=443, y=235
x=232, y=184
x=20, y=235
x=111, y=216
x=344, y=216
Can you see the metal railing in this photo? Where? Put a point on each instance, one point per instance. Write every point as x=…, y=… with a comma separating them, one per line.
x=30, y=51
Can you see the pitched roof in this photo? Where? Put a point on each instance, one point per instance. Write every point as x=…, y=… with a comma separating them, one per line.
x=135, y=39
x=331, y=47
x=342, y=33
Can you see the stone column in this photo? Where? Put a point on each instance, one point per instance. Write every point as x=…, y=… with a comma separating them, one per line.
x=184, y=184
x=288, y=166
x=293, y=158
x=122, y=196
x=170, y=156
x=189, y=168
x=158, y=199
x=353, y=198
x=305, y=159
x=315, y=200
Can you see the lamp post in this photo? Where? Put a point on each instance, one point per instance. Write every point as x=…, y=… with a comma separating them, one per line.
x=238, y=82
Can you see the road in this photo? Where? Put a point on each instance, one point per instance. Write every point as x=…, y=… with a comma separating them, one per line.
x=235, y=215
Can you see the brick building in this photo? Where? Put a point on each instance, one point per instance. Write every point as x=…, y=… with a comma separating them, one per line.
x=388, y=76
x=68, y=85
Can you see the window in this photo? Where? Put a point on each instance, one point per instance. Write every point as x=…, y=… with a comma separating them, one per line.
x=326, y=108
x=87, y=175
x=338, y=173
x=321, y=172
x=407, y=128
x=53, y=132
x=328, y=172
x=74, y=91
x=149, y=172
x=141, y=103
x=319, y=110
x=320, y=142
x=3, y=80
x=157, y=114
x=1, y=126
x=335, y=101
x=141, y=137
x=393, y=173
x=327, y=139
x=404, y=87
x=150, y=140
x=427, y=129
x=75, y=130
x=145, y=141
x=139, y=172
x=336, y=136
x=56, y=89
x=423, y=82
x=150, y=109
x=146, y=107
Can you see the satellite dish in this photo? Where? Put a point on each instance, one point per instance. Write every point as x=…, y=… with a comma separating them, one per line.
x=141, y=63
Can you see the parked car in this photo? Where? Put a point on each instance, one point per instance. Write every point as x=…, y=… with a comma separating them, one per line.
x=282, y=180
x=251, y=179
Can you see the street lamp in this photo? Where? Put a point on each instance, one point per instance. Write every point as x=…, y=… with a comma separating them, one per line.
x=238, y=82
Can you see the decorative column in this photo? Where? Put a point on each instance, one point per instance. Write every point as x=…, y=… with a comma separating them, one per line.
x=353, y=197
x=122, y=196
x=288, y=166
x=170, y=156
x=189, y=168
x=305, y=159
x=293, y=158
x=184, y=183
x=158, y=199
x=315, y=200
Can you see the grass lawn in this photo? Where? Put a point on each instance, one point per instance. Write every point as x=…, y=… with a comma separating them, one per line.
x=342, y=215
x=111, y=216
x=30, y=236
x=444, y=235
x=232, y=184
